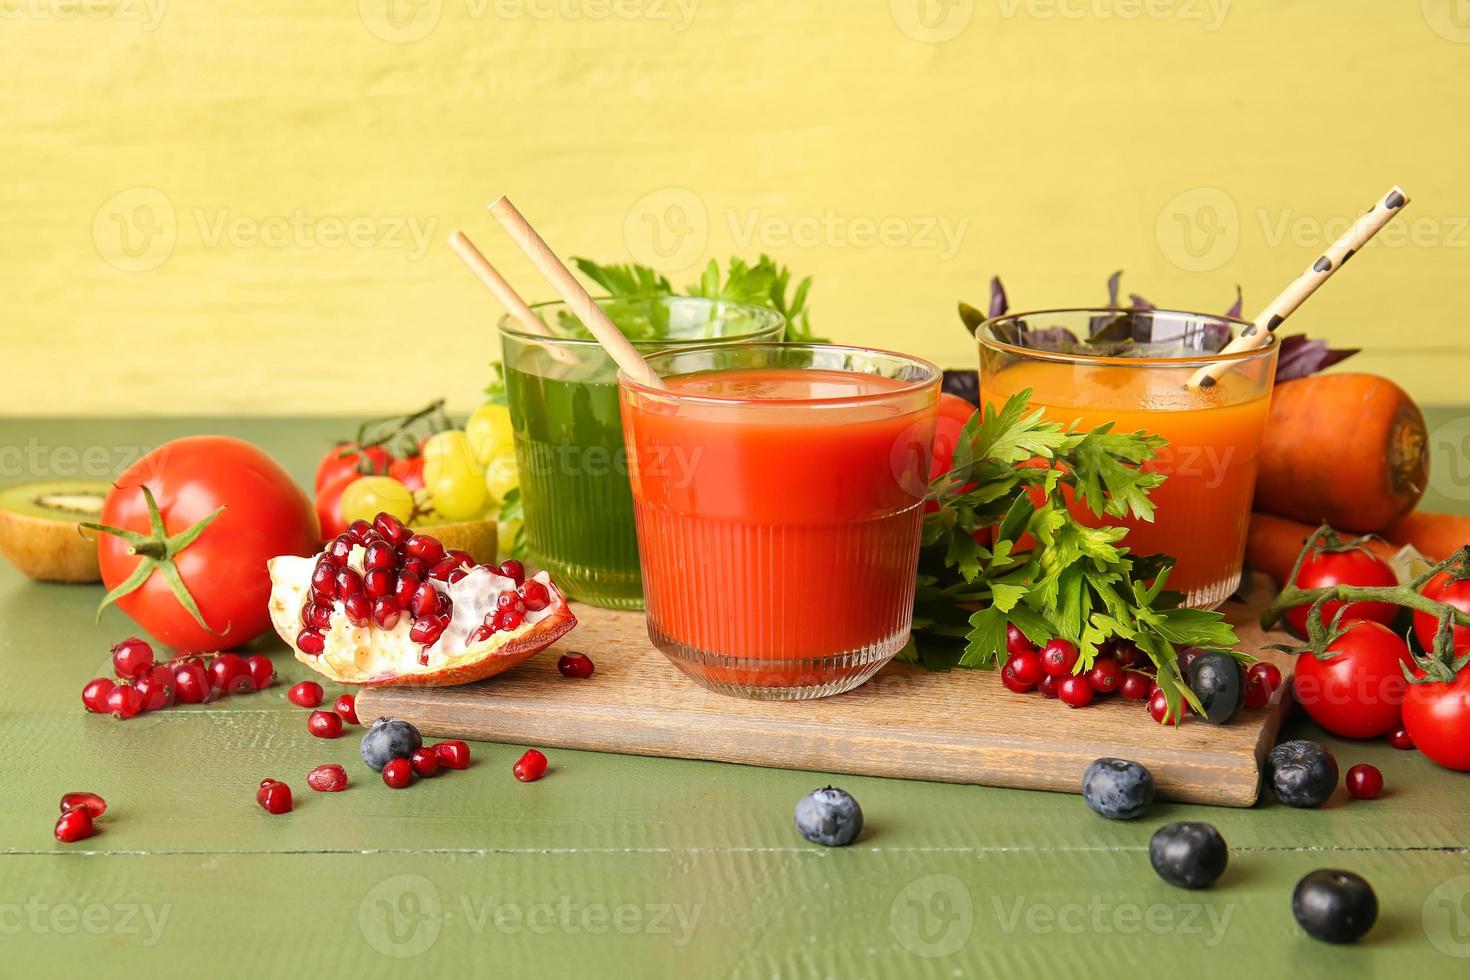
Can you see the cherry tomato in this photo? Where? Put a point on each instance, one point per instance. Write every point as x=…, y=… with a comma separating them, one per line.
x=1442, y=588
x=224, y=569
x=409, y=471
x=329, y=505
x=1437, y=716
x=1351, y=567
x=344, y=458
x=954, y=412
x=1358, y=692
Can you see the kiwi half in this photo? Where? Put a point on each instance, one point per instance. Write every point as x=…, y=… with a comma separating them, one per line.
x=39, y=533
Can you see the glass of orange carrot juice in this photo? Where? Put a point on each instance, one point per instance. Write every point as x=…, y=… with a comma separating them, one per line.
x=778, y=494
x=1134, y=368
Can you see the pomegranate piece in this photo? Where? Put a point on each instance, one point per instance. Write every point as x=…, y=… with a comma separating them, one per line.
x=74, y=825
x=391, y=528
x=425, y=762
x=530, y=767
x=307, y=694
x=124, y=702
x=324, y=724
x=339, y=550
x=274, y=797
x=513, y=570
x=452, y=754
x=398, y=773
x=191, y=683
x=311, y=641
x=361, y=531
x=95, y=692
x=91, y=802
x=132, y=658
x=329, y=778
x=324, y=580
x=386, y=612
x=575, y=665
x=346, y=707
x=535, y=596
x=425, y=548
x=358, y=609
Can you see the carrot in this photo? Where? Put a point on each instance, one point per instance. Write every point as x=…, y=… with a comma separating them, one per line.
x=1435, y=536
x=1275, y=542
x=1349, y=450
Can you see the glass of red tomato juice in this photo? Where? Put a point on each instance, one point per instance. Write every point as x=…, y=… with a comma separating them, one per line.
x=1134, y=368
x=778, y=493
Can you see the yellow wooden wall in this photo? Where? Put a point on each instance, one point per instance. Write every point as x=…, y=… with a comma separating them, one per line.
x=241, y=205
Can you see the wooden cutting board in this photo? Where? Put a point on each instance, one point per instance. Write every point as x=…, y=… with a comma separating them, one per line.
x=959, y=727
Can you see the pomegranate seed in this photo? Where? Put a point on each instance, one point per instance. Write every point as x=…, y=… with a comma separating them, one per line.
x=329, y=778
x=386, y=612
x=95, y=692
x=391, y=528
x=509, y=619
x=358, y=609
x=398, y=773
x=1075, y=691
x=1012, y=680
x=1135, y=686
x=513, y=570
x=460, y=557
x=379, y=582
x=1105, y=676
x=1158, y=708
x=453, y=754
x=416, y=567
x=324, y=724
x=509, y=600
x=274, y=797
x=428, y=631
x=316, y=616
x=155, y=697
x=349, y=582
x=379, y=554
x=1017, y=642
x=307, y=694
x=91, y=802
x=425, y=548
x=535, y=595
x=324, y=579
x=74, y=825
x=1058, y=657
x=530, y=767
x=361, y=530
x=575, y=665
x=191, y=683
x=407, y=588
x=1048, y=685
x=456, y=575
x=442, y=568
x=310, y=641
x=425, y=762
x=1399, y=739
x=480, y=634
x=1364, y=782
x=340, y=548
x=132, y=658
x=425, y=601
x=346, y=706
x=124, y=702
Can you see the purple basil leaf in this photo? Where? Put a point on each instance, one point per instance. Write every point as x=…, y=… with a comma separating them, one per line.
x=966, y=384
x=998, y=303
x=1113, y=281
x=1139, y=303
x=1236, y=308
x=1217, y=335
x=1300, y=357
x=1051, y=338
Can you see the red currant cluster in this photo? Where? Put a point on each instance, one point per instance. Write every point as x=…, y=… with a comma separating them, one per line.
x=193, y=678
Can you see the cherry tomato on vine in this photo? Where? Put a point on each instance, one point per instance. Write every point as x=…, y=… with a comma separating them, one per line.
x=226, y=509
x=1359, y=690
x=1437, y=716
x=1442, y=588
x=345, y=458
x=409, y=471
x=954, y=412
x=1352, y=566
x=329, y=506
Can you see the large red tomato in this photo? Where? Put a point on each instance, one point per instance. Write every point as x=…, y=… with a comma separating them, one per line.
x=1359, y=690
x=262, y=514
x=1437, y=715
x=1352, y=566
x=1454, y=592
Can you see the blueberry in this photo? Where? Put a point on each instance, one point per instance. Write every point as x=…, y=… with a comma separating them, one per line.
x=1118, y=789
x=829, y=817
x=1302, y=773
x=1219, y=683
x=1334, y=906
x=1190, y=855
x=389, y=739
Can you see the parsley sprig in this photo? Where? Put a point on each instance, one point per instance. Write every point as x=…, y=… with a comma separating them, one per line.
x=1002, y=547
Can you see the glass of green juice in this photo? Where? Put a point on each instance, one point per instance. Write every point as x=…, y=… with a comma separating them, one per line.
x=563, y=395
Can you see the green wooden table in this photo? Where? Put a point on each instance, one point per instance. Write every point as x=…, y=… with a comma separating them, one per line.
x=619, y=866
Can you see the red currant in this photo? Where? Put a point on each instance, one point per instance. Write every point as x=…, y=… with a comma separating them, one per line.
x=1158, y=708
x=1106, y=675
x=132, y=658
x=1261, y=680
x=1012, y=681
x=307, y=694
x=1017, y=643
x=261, y=671
x=1364, y=782
x=191, y=683
x=1135, y=686
x=1048, y=685
x=123, y=701
x=398, y=773
x=324, y=724
x=94, y=694
x=1075, y=691
x=1399, y=738
x=1058, y=657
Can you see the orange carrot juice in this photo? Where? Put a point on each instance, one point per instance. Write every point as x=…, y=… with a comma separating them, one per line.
x=1202, y=510
x=778, y=503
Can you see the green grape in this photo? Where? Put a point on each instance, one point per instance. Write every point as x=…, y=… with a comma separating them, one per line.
x=448, y=452
x=489, y=432
x=506, y=533
x=458, y=495
x=370, y=496
x=501, y=476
